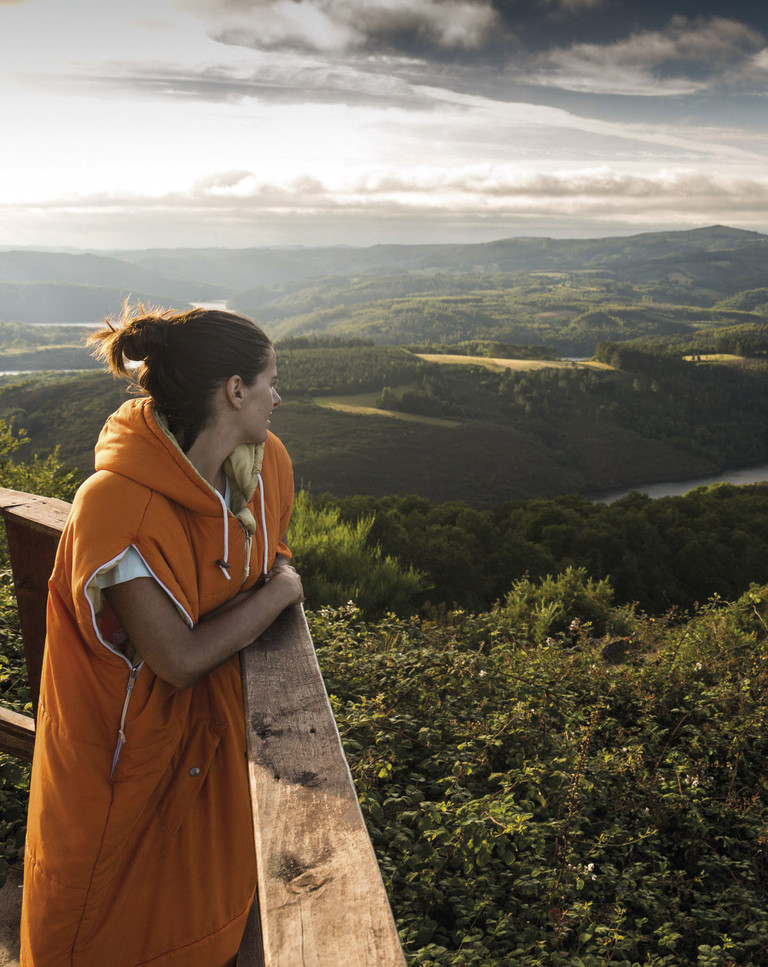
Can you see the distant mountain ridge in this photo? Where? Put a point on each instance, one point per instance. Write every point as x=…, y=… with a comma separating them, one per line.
x=522, y=290
x=245, y=268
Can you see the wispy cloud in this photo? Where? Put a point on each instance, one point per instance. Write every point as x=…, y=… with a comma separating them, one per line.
x=430, y=203
x=751, y=75
x=687, y=57
x=298, y=80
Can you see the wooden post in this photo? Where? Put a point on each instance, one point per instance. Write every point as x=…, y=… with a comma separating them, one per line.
x=321, y=895
x=33, y=526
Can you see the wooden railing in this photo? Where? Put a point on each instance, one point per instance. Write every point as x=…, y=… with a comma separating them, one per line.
x=320, y=897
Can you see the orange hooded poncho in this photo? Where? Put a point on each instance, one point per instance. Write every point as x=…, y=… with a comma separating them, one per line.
x=139, y=839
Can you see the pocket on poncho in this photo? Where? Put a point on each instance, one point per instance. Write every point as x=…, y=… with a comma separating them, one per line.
x=189, y=772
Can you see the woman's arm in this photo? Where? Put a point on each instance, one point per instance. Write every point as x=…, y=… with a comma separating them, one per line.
x=181, y=655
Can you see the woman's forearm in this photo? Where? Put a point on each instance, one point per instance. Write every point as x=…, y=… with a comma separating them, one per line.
x=182, y=655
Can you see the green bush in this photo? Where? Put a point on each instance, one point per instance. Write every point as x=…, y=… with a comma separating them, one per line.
x=564, y=603
x=337, y=564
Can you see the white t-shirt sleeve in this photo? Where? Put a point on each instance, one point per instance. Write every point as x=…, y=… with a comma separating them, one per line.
x=129, y=566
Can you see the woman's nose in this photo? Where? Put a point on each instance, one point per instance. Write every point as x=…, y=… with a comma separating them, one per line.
x=276, y=398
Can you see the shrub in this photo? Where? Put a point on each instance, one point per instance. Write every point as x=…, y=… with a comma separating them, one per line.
x=338, y=565
x=562, y=603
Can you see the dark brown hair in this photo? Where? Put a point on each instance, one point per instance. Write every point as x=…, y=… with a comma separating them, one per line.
x=185, y=357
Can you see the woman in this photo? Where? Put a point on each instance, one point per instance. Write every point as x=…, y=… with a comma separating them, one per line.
x=140, y=841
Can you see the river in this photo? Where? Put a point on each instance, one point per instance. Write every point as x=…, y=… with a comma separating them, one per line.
x=757, y=473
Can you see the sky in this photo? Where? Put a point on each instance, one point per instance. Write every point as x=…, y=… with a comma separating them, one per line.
x=235, y=123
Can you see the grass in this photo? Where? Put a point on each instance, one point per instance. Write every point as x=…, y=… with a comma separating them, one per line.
x=518, y=365
x=364, y=404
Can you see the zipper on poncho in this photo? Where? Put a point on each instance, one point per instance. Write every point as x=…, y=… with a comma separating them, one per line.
x=121, y=740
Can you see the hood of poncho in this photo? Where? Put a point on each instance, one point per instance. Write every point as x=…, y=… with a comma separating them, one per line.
x=136, y=443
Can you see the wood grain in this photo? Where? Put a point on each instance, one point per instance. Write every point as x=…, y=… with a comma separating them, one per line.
x=46, y=514
x=17, y=734
x=321, y=895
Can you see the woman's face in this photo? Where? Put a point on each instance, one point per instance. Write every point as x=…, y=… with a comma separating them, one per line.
x=259, y=400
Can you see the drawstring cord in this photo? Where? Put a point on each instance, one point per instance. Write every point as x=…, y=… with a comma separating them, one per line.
x=223, y=563
x=263, y=525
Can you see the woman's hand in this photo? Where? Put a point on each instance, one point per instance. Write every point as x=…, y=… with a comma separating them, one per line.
x=286, y=578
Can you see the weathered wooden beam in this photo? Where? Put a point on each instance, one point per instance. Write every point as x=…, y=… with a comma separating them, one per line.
x=17, y=734
x=33, y=526
x=45, y=514
x=321, y=895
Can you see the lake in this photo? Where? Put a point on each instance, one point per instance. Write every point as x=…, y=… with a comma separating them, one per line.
x=758, y=473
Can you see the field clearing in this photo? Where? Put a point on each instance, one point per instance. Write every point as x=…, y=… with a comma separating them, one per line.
x=518, y=365
x=363, y=405
x=728, y=359
x=716, y=358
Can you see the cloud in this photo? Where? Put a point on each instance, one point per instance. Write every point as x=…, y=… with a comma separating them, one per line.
x=575, y=6
x=477, y=189
x=431, y=203
x=334, y=26
x=751, y=75
x=687, y=57
x=277, y=80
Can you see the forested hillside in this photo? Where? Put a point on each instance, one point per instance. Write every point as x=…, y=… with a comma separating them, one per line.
x=378, y=420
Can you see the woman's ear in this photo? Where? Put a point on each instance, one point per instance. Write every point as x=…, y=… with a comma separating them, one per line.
x=234, y=391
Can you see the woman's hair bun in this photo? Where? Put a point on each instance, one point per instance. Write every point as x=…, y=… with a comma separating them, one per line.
x=144, y=336
x=137, y=336
x=184, y=358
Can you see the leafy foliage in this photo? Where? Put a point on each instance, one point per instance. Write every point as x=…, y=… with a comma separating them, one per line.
x=539, y=806
x=669, y=552
x=338, y=564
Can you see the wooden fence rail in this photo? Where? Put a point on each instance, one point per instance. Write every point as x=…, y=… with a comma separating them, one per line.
x=320, y=899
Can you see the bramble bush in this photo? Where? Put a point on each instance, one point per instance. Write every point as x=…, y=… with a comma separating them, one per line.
x=539, y=806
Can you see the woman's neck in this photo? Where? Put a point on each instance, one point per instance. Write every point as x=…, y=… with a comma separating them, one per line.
x=207, y=455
